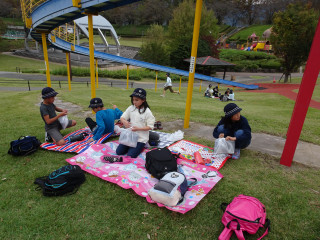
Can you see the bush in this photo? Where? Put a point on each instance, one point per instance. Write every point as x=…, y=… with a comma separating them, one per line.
x=249, y=60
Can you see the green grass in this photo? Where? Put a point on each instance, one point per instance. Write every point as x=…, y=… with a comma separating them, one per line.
x=10, y=63
x=102, y=210
x=243, y=35
x=124, y=41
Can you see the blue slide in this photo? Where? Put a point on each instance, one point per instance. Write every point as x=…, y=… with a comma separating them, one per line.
x=54, y=13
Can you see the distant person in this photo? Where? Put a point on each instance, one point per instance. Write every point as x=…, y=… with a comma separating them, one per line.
x=209, y=91
x=215, y=91
x=168, y=85
x=231, y=95
x=51, y=119
x=104, y=118
x=141, y=122
x=234, y=127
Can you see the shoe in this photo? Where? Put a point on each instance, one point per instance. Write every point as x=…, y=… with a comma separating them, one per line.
x=112, y=159
x=179, y=93
x=162, y=95
x=159, y=126
x=236, y=154
x=93, y=129
x=47, y=137
x=155, y=126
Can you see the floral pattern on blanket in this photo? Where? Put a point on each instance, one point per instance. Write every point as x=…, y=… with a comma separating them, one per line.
x=134, y=175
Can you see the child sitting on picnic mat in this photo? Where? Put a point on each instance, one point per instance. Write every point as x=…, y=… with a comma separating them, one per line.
x=234, y=127
x=51, y=119
x=141, y=121
x=105, y=118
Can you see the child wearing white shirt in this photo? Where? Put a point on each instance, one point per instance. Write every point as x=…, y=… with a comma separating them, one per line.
x=140, y=119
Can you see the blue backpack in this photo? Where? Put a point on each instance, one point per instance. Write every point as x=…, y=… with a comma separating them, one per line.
x=25, y=145
x=65, y=180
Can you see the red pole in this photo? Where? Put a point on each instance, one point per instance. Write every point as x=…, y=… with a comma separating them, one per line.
x=301, y=106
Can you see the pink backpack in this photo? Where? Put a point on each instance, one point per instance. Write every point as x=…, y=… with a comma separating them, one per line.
x=244, y=213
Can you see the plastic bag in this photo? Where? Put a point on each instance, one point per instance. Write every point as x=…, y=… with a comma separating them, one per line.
x=223, y=146
x=64, y=121
x=128, y=138
x=176, y=136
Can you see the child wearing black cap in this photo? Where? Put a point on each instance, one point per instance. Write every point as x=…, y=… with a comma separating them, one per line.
x=168, y=85
x=50, y=118
x=234, y=127
x=141, y=121
x=105, y=118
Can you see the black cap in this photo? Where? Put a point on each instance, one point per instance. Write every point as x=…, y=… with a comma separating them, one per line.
x=96, y=102
x=168, y=74
x=48, y=92
x=140, y=93
x=231, y=109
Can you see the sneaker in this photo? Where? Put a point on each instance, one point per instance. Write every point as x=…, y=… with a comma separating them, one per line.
x=161, y=95
x=47, y=137
x=93, y=129
x=159, y=126
x=236, y=154
x=112, y=159
x=179, y=93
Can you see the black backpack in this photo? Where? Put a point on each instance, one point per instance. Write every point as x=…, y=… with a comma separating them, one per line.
x=160, y=161
x=66, y=179
x=24, y=145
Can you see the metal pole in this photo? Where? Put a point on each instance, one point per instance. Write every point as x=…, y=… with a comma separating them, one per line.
x=91, y=50
x=97, y=73
x=155, y=87
x=46, y=59
x=195, y=40
x=68, y=70
x=127, y=76
x=180, y=85
x=303, y=99
x=29, y=85
x=200, y=85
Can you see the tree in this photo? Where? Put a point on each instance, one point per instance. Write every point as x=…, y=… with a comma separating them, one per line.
x=153, y=49
x=292, y=35
x=181, y=32
x=248, y=8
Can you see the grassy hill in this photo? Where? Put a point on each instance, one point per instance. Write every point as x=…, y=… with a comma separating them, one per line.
x=242, y=36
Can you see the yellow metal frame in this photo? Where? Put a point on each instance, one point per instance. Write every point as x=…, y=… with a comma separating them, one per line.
x=68, y=69
x=127, y=76
x=46, y=59
x=91, y=52
x=195, y=40
x=155, y=87
x=180, y=85
x=97, y=73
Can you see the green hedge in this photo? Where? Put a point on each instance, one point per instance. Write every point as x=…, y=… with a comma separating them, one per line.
x=250, y=60
x=134, y=74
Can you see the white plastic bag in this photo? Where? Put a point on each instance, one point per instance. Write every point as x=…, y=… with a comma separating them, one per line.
x=64, y=121
x=223, y=146
x=128, y=138
x=176, y=136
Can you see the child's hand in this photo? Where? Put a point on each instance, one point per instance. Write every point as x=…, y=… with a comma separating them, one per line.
x=231, y=138
x=126, y=124
x=133, y=129
x=114, y=106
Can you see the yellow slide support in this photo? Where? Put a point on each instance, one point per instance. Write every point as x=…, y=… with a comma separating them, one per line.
x=91, y=51
x=155, y=87
x=195, y=40
x=68, y=69
x=46, y=59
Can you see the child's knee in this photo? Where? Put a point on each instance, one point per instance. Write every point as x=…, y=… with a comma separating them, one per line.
x=61, y=142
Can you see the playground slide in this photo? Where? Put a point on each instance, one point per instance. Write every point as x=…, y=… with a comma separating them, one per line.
x=53, y=13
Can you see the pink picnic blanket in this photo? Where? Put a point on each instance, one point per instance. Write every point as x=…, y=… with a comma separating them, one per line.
x=187, y=150
x=134, y=175
x=77, y=147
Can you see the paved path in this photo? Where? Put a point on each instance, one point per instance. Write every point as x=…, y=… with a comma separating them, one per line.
x=306, y=153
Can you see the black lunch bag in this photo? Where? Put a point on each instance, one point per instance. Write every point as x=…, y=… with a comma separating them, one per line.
x=160, y=161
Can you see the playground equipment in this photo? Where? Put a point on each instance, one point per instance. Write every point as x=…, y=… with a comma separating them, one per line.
x=44, y=16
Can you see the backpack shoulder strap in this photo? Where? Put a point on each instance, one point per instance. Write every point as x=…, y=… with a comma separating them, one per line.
x=267, y=226
x=225, y=234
